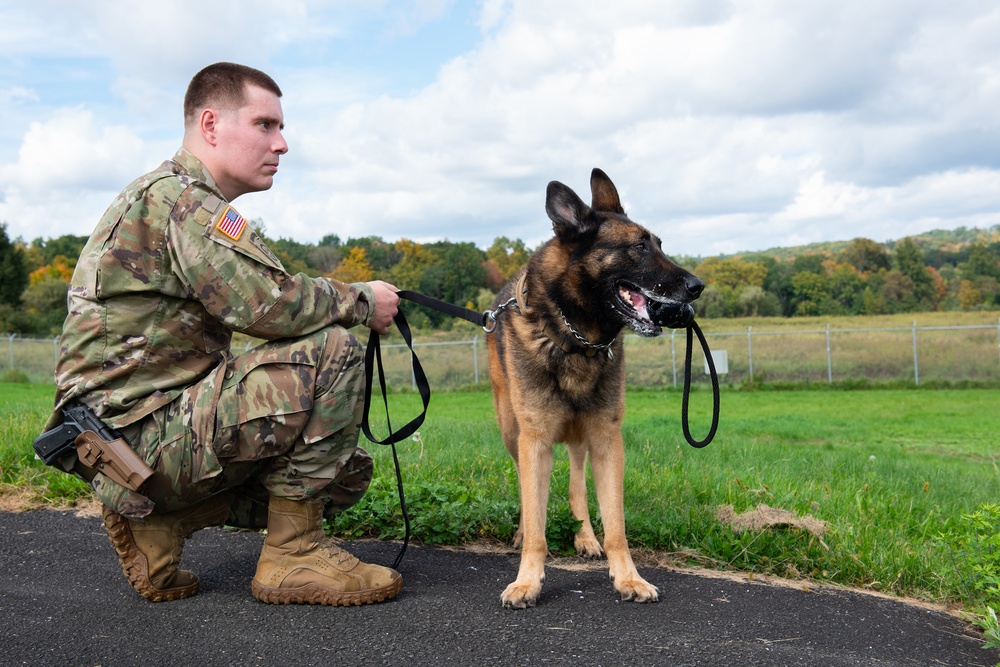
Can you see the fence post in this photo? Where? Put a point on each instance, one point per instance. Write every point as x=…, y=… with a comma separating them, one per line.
x=10, y=347
x=829, y=361
x=916, y=370
x=475, y=357
x=750, y=350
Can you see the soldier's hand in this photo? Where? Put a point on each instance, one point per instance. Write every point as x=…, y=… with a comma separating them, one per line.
x=386, y=306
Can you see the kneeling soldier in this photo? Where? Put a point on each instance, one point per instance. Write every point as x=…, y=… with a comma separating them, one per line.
x=268, y=438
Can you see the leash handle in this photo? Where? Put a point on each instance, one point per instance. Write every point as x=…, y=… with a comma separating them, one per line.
x=694, y=328
x=373, y=357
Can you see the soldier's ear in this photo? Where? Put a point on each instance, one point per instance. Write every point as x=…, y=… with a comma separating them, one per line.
x=208, y=126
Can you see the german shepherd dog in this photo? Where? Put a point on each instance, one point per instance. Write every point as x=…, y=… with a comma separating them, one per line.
x=558, y=372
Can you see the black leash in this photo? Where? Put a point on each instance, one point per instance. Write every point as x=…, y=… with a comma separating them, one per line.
x=693, y=327
x=373, y=357
x=487, y=320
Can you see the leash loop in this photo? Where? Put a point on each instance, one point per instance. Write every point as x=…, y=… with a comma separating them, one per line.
x=694, y=328
x=373, y=356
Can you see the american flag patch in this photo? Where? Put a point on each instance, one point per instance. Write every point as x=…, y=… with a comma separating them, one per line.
x=231, y=224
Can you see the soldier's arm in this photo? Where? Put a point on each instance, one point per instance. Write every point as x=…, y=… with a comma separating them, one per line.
x=241, y=283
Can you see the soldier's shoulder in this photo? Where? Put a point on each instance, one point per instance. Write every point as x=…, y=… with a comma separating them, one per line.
x=168, y=183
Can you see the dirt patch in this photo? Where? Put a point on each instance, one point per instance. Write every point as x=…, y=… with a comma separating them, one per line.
x=764, y=517
x=18, y=500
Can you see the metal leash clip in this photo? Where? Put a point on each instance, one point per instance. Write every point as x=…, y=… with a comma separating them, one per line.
x=490, y=316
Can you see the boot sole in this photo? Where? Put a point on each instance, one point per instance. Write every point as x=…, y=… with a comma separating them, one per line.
x=134, y=564
x=313, y=594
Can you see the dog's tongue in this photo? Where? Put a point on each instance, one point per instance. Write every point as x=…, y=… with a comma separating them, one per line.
x=639, y=303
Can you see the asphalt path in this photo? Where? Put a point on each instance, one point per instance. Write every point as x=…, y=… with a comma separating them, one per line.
x=64, y=601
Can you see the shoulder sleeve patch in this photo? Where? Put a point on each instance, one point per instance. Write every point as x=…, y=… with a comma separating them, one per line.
x=231, y=224
x=231, y=229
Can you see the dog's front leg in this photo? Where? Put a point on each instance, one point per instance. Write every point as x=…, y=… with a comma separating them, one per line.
x=607, y=460
x=534, y=460
x=585, y=542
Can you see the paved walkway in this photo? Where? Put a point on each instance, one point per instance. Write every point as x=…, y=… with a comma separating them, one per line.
x=64, y=601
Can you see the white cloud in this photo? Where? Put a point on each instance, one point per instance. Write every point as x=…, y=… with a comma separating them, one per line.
x=70, y=151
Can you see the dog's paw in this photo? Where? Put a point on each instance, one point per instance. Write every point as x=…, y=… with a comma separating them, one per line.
x=638, y=590
x=520, y=596
x=587, y=546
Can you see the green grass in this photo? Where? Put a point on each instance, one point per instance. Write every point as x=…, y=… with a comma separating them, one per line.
x=904, y=479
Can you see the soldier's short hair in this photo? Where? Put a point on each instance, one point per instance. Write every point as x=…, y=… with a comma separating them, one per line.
x=223, y=85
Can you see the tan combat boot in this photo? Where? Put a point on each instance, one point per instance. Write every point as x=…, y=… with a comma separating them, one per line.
x=150, y=549
x=301, y=565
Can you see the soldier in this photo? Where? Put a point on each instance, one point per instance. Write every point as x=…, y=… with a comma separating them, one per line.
x=264, y=439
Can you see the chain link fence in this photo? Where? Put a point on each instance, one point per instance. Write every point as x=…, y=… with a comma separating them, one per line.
x=916, y=354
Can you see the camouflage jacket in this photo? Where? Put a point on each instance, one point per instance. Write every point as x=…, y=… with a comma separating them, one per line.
x=168, y=274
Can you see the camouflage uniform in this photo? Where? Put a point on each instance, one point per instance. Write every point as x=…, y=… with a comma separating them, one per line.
x=169, y=273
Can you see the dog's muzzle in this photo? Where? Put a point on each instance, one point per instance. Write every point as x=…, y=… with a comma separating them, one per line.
x=671, y=315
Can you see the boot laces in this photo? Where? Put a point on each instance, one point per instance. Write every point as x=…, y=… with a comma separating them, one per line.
x=334, y=550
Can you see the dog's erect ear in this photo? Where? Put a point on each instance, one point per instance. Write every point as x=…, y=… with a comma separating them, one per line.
x=567, y=211
x=605, y=194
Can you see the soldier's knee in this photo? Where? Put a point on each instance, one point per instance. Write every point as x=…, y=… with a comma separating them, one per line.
x=342, y=354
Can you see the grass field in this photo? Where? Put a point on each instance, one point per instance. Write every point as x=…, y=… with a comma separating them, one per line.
x=906, y=482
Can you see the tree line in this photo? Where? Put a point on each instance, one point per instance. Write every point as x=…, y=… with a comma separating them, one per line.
x=957, y=270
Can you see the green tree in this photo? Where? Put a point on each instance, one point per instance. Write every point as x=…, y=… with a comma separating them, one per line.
x=812, y=294
x=508, y=256
x=45, y=251
x=463, y=273
x=969, y=297
x=754, y=301
x=778, y=281
x=983, y=262
x=897, y=290
x=45, y=302
x=812, y=263
x=294, y=256
x=414, y=260
x=13, y=271
x=324, y=258
x=846, y=288
x=381, y=256
x=711, y=303
x=731, y=272
x=908, y=259
x=866, y=255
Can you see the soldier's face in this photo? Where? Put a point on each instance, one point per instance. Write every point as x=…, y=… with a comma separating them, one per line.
x=251, y=143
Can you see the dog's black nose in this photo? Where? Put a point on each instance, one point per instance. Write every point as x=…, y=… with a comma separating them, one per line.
x=694, y=286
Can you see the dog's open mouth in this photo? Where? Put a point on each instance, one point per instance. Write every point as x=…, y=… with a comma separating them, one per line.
x=647, y=313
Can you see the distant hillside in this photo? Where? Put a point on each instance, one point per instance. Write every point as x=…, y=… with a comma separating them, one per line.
x=937, y=239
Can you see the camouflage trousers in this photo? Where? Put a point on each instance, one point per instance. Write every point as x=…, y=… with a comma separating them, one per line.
x=281, y=420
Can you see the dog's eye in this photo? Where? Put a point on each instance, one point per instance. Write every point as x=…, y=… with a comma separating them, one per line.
x=641, y=246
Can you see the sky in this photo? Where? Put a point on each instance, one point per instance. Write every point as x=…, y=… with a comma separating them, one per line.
x=727, y=126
